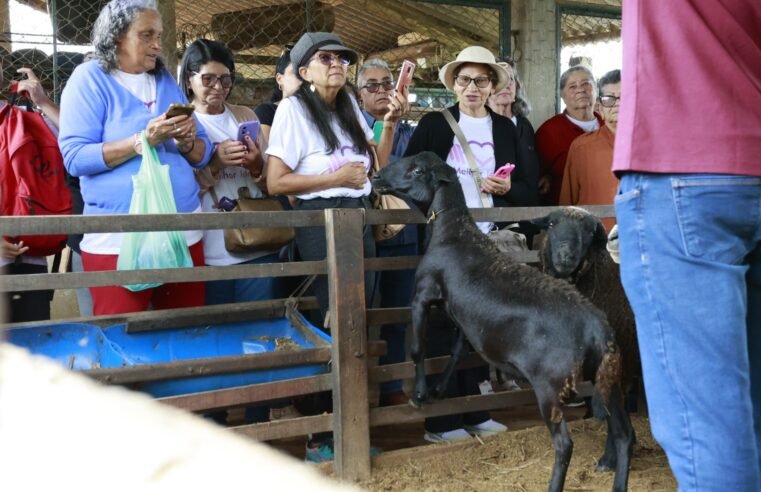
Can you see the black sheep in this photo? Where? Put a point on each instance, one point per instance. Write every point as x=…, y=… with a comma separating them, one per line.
x=517, y=318
x=574, y=249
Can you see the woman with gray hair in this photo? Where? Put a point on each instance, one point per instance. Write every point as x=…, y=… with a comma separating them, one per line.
x=107, y=104
x=554, y=136
x=511, y=102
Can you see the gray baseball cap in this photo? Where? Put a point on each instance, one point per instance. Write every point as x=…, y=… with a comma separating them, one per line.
x=310, y=42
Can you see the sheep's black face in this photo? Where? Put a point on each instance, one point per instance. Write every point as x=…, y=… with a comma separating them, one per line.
x=415, y=178
x=571, y=233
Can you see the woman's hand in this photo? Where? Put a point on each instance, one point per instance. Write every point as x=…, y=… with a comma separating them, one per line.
x=253, y=159
x=11, y=250
x=398, y=106
x=185, y=135
x=496, y=185
x=351, y=175
x=181, y=127
x=230, y=153
x=32, y=85
x=544, y=184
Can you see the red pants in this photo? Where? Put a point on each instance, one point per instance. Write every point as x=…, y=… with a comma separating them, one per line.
x=118, y=300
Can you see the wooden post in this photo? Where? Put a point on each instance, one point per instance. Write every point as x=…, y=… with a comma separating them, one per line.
x=169, y=37
x=5, y=27
x=348, y=327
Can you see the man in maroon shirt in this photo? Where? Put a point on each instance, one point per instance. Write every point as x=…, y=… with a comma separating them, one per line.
x=688, y=150
x=554, y=137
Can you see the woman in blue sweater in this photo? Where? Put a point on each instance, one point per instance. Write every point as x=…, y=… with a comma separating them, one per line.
x=106, y=104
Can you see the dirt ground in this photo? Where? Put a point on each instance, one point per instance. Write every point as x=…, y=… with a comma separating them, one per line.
x=522, y=461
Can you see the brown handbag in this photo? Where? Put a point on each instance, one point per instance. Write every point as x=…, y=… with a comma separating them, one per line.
x=386, y=202
x=240, y=240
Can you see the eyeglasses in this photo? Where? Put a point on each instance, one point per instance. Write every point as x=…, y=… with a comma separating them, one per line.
x=609, y=101
x=210, y=80
x=328, y=59
x=375, y=86
x=481, y=82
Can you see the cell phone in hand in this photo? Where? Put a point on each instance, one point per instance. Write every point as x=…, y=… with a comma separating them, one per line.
x=504, y=171
x=405, y=75
x=177, y=109
x=248, y=129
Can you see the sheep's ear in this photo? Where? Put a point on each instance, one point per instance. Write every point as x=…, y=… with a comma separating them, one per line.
x=601, y=235
x=539, y=224
x=443, y=174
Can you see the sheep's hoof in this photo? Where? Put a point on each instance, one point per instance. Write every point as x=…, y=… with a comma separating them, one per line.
x=605, y=465
x=416, y=403
x=418, y=400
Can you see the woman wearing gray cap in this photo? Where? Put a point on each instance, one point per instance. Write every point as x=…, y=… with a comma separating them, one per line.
x=320, y=152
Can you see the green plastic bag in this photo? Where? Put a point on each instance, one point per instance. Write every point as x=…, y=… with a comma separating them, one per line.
x=152, y=194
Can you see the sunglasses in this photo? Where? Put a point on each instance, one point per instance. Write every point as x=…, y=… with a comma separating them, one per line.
x=481, y=82
x=210, y=80
x=328, y=59
x=375, y=86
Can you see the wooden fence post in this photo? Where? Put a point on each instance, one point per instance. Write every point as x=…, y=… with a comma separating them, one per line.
x=348, y=327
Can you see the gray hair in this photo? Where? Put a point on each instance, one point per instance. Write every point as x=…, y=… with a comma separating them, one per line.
x=113, y=22
x=374, y=63
x=521, y=106
x=576, y=68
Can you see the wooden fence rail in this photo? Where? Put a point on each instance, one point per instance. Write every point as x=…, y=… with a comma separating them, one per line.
x=349, y=353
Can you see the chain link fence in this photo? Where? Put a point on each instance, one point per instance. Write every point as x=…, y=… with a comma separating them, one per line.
x=591, y=38
x=428, y=32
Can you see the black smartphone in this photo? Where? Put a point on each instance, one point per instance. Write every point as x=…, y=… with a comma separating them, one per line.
x=177, y=109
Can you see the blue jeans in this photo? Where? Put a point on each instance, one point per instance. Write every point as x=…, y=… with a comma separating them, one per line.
x=242, y=289
x=691, y=268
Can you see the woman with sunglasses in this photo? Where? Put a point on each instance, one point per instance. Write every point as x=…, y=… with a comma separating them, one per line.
x=320, y=151
x=473, y=77
x=107, y=103
x=207, y=76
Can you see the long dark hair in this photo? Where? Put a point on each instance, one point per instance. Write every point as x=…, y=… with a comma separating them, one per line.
x=199, y=53
x=280, y=66
x=320, y=114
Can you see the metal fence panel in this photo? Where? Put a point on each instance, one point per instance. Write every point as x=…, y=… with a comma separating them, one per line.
x=431, y=33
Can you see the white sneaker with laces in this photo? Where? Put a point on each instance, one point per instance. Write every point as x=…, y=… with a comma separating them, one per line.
x=449, y=436
x=486, y=429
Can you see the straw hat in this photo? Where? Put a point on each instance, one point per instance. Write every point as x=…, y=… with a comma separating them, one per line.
x=473, y=54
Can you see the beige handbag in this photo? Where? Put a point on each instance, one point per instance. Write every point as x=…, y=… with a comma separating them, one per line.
x=382, y=232
x=239, y=240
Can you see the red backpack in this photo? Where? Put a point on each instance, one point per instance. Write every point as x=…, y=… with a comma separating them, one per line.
x=32, y=176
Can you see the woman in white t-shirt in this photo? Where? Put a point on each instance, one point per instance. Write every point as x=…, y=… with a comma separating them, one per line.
x=473, y=77
x=206, y=77
x=319, y=152
x=320, y=146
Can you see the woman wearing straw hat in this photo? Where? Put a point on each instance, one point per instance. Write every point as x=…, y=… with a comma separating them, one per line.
x=493, y=141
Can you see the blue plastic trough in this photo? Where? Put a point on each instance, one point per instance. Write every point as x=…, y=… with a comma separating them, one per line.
x=84, y=346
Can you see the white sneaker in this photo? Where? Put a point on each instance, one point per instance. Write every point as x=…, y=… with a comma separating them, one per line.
x=485, y=429
x=449, y=436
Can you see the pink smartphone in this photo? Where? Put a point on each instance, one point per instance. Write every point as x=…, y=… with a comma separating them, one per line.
x=504, y=171
x=405, y=75
x=248, y=129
